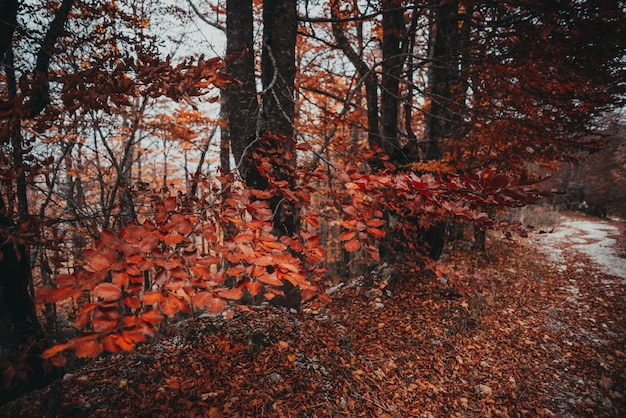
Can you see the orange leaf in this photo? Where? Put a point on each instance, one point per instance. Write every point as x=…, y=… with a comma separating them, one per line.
x=377, y=232
x=104, y=325
x=109, y=344
x=182, y=224
x=231, y=294
x=95, y=260
x=244, y=237
x=54, y=350
x=254, y=288
x=132, y=302
x=347, y=235
x=274, y=245
x=160, y=216
x=107, y=291
x=374, y=222
x=173, y=238
x=307, y=295
x=325, y=297
x=120, y=278
x=235, y=270
x=152, y=316
x=88, y=349
x=353, y=245
x=150, y=298
x=270, y=279
x=209, y=302
x=49, y=294
x=123, y=343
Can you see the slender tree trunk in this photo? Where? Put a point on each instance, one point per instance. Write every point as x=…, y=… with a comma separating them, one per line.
x=394, y=34
x=366, y=73
x=278, y=71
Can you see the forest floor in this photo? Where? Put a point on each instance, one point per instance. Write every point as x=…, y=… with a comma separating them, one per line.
x=538, y=331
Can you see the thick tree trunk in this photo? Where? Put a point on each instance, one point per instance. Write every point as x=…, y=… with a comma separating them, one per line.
x=278, y=72
x=22, y=337
x=239, y=101
x=442, y=120
x=278, y=62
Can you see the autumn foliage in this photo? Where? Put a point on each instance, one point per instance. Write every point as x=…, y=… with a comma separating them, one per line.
x=212, y=253
x=106, y=161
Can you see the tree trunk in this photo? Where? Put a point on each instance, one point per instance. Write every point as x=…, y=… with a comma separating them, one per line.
x=366, y=73
x=442, y=118
x=239, y=101
x=278, y=72
x=394, y=34
x=26, y=339
x=442, y=121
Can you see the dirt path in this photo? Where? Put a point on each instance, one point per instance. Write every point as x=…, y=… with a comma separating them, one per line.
x=588, y=324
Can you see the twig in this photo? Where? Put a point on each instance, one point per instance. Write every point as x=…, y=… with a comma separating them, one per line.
x=518, y=400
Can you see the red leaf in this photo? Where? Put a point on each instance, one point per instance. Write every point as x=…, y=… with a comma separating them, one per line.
x=270, y=279
x=170, y=204
x=148, y=243
x=235, y=270
x=88, y=349
x=173, y=238
x=325, y=297
x=209, y=302
x=160, y=216
x=107, y=291
x=104, y=325
x=353, y=245
x=109, y=344
x=59, y=360
x=109, y=238
x=181, y=223
x=49, y=294
x=375, y=222
x=132, y=302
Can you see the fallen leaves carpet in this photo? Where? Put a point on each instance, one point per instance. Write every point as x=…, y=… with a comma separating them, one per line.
x=517, y=343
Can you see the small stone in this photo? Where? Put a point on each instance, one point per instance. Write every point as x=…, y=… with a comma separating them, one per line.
x=483, y=390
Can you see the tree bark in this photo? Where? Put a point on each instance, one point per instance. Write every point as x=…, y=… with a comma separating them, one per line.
x=442, y=119
x=239, y=101
x=278, y=71
x=27, y=339
x=394, y=35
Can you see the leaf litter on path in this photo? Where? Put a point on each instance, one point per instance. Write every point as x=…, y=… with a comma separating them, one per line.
x=525, y=339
